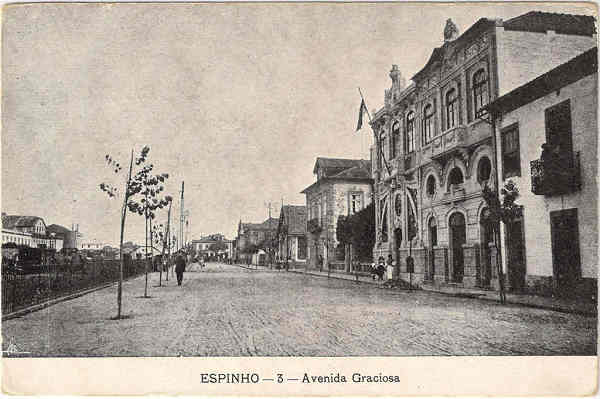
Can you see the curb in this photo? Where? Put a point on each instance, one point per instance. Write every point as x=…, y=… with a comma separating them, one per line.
x=43, y=305
x=337, y=277
x=483, y=298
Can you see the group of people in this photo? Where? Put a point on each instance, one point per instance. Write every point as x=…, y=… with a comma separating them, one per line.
x=378, y=269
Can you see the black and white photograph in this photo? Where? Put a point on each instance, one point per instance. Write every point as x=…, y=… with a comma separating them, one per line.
x=299, y=180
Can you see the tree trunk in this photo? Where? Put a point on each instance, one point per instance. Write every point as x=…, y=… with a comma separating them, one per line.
x=146, y=237
x=122, y=261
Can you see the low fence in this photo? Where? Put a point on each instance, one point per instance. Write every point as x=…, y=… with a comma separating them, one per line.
x=56, y=280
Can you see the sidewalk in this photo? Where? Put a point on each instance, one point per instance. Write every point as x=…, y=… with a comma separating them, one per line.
x=534, y=301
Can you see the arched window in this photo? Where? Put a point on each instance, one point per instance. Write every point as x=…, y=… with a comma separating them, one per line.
x=409, y=143
x=383, y=143
x=430, y=187
x=451, y=109
x=398, y=204
x=480, y=91
x=457, y=219
x=395, y=139
x=428, y=131
x=455, y=177
x=484, y=169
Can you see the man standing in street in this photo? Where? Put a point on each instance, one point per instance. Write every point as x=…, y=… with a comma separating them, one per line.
x=180, y=262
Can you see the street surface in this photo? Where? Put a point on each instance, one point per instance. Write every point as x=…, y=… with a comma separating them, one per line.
x=226, y=310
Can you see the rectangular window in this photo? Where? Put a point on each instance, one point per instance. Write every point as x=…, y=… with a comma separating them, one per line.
x=355, y=202
x=511, y=159
x=558, y=128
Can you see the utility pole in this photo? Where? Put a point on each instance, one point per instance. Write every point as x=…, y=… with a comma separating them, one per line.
x=164, y=244
x=181, y=217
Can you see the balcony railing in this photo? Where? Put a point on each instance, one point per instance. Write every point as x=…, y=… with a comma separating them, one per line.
x=314, y=225
x=556, y=176
x=453, y=138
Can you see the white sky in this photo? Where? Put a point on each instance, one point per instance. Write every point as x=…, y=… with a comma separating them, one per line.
x=236, y=99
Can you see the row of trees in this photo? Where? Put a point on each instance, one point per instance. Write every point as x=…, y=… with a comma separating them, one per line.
x=143, y=194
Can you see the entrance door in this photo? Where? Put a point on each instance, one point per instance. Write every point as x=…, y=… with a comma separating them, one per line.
x=565, y=250
x=458, y=236
x=432, y=243
x=487, y=238
x=516, y=255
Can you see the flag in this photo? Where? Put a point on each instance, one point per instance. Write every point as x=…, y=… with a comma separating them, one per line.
x=362, y=109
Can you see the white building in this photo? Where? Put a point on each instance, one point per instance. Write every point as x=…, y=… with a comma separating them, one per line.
x=28, y=230
x=553, y=247
x=93, y=245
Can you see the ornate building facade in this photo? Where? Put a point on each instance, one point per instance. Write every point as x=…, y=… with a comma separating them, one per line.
x=434, y=147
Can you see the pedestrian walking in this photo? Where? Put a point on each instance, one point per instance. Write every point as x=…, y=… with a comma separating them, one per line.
x=180, y=262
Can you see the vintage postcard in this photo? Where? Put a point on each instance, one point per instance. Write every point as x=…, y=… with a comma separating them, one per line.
x=300, y=199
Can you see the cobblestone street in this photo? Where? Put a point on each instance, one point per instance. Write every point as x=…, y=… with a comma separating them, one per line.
x=230, y=311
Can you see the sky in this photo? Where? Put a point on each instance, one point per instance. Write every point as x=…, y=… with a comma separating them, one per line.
x=237, y=100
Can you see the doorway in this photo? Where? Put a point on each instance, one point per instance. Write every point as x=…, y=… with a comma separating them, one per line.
x=566, y=262
x=458, y=237
x=432, y=226
x=487, y=238
x=516, y=255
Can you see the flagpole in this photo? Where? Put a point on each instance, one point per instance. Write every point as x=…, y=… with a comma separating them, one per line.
x=380, y=151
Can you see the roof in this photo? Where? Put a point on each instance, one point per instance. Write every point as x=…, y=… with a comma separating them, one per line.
x=533, y=21
x=341, y=169
x=335, y=165
x=566, y=24
x=573, y=70
x=355, y=172
x=269, y=224
x=294, y=216
x=438, y=53
x=15, y=221
x=58, y=229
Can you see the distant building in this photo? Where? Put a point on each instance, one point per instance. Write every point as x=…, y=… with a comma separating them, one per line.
x=343, y=187
x=252, y=235
x=27, y=230
x=94, y=245
x=552, y=247
x=213, y=245
x=291, y=235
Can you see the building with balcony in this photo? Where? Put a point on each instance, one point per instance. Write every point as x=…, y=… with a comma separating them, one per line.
x=434, y=149
x=343, y=187
x=291, y=235
x=547, y=138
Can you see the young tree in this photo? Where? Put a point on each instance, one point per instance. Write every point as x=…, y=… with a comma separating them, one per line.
x=130, y=191
x=506, y=212
x=150, y=188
